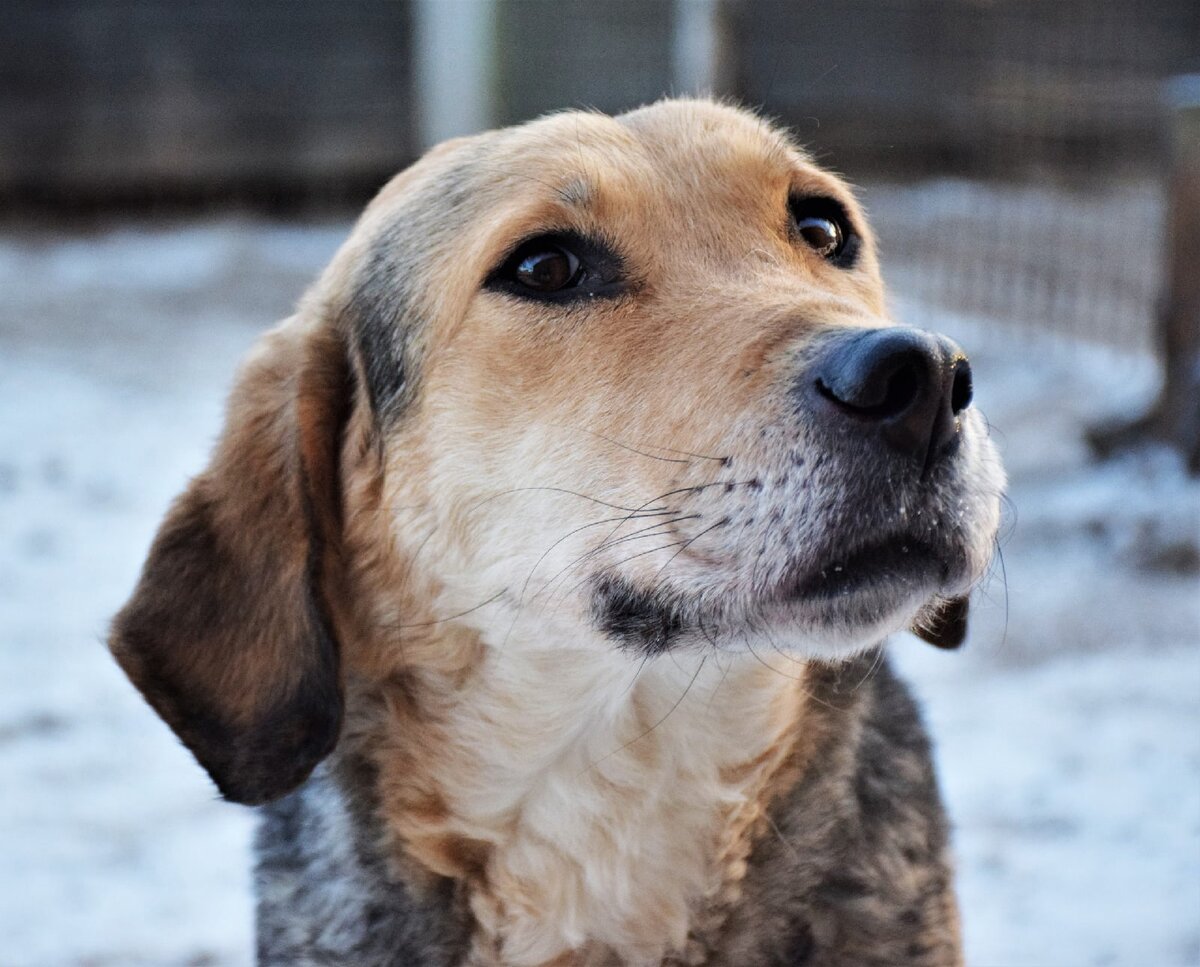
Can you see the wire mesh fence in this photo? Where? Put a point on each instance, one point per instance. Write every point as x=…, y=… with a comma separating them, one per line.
x=1033, y=259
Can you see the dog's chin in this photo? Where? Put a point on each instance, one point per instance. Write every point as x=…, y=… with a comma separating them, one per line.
x=828, y=613
x=827, y=610
x=840, y=625
x=850, y=602
x=891, y=568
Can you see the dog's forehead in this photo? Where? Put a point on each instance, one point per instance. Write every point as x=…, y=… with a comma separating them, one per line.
x=709, y=133
x=672, y=147
x=660, y=160
x=582, y=158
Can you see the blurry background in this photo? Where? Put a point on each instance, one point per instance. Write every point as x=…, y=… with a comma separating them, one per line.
x=173, y=175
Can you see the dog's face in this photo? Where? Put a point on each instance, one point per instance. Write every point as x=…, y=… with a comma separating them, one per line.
x=621, y=407
x=623, y=384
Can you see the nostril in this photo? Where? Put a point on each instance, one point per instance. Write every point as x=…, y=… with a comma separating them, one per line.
x=962, y=391
x=824, y=390
x=902, y=390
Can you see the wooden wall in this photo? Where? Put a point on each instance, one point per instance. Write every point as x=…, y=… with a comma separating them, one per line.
x=983, y=87
x=120, y=96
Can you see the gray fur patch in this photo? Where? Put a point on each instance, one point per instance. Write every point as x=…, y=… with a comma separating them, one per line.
x=386, y=313
x=856, y=874
x=325, y=896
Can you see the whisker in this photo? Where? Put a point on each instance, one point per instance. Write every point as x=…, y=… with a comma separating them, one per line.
x=633, y=681
x=766, y=633
x=406, y=581
x=638, y=738
x=438, y=621
x=695, y=488
x=876, y=664
x=625, y=446
x=621, y=540
x=779, y=833
x=557, y=490
x=1004, y=580
x=800, y=680
x=688, y=543
x=778, y=650
x=1011, y=518
x=640, y=534
x=522, y=601
x=790, y=659
x=767, y=665
x=625, y=560
x=572, y=533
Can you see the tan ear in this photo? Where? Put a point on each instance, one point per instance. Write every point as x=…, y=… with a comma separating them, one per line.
x=943, y=623
x=228, y=634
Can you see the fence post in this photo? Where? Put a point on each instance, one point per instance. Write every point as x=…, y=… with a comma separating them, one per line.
x=701, y=48
x=1175, y=417
x=1178, y=409
x=454, y=50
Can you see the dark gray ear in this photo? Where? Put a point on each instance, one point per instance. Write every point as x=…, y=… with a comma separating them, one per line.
x=227, y=634
x=943, y=623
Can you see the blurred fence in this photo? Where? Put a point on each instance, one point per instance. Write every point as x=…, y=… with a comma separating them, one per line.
x=1035, y=133
x=1004, y=88
x=136, y=102
x=1034, y=258
x=1012, y=151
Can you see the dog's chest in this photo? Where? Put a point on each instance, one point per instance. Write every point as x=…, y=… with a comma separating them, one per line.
x=601, y=821
x=588, y=868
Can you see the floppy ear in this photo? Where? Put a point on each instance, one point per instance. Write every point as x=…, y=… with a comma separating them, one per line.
x=227, y=634
x=943, y=623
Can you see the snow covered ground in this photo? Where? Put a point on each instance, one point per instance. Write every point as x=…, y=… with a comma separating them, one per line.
x=1068, y=729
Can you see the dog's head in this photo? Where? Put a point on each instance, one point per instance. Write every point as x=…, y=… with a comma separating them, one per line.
x=624, y=384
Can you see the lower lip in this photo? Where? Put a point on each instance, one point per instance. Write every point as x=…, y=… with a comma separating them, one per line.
x=895, y=564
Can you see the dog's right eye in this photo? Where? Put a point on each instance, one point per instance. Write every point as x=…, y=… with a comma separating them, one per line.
x=545, y=267
x=559, y=267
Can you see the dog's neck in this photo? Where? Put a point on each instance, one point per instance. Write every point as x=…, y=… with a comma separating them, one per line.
x=593, y=805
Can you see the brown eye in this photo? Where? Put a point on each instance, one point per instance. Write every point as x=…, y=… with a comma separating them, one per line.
x=822, y=235
x=559, y=267
x=546, y=269
x=824, y=226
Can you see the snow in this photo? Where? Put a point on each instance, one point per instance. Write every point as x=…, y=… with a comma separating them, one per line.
x=1066, y=730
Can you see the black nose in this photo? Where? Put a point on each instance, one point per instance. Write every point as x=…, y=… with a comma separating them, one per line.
x=907, y=384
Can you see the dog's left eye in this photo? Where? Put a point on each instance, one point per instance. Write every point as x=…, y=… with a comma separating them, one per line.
x=822, y=235
x=822, y=225
x=562, y=266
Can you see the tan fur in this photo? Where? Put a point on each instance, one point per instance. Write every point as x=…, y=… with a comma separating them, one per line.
x=615, y=836
x=592, y=807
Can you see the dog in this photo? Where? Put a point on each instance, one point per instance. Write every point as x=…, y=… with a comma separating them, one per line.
x=536, y=587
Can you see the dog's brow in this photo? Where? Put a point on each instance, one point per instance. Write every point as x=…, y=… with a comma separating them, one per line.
x=577, y=193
